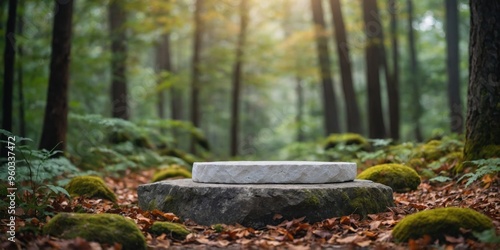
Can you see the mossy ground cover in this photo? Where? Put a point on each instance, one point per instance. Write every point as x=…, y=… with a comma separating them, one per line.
x=171, y=171
x=399, y=177
x=430, y=159
x=439, y=222
x=90, y=186
x=371, y=231
x=103, y=228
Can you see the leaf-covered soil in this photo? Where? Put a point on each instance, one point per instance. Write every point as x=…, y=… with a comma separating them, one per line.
x=347, y=232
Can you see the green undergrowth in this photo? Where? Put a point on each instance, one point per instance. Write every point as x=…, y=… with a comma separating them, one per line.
x=115, y=145
x=36, y=175
x=439, y=159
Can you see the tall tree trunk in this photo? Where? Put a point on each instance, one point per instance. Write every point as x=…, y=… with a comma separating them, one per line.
x=482, y=138
x=329, y=101
x=393, y=85
x=237, y=75
x=163, y=64
x=299, y=90
x=195, y=81
x=119, y=95
x=452, y=62
x=55, y=121
x=384, y=64
x=8, y=75
x=20, y=91
x=372, y=29
x=299, y=119
x=414, y=76
x=352, y=109
x=176, y=106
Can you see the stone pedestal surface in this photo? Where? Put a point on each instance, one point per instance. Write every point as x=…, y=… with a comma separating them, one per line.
x=255, y=205
x=241, y=172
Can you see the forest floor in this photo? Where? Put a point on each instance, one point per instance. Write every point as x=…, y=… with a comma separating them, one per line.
x=347, y=232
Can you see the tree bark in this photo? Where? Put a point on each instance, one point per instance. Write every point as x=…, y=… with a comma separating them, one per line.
x=8, y=75
x=56, y=111
x=196, y=71
x=329, y=100
x=482, y=138
x=163, y=64
x=237, y=79
x=372, y=53
x=299, y=119
x=393, y=85
x=20, y=91
x=452, y=63
x=414, y=76
x=352, y=109
x=119, y=95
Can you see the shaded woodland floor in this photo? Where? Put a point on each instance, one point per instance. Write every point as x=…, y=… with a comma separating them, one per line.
x=347, y=232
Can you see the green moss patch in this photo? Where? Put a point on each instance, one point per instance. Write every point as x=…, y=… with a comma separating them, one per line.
x=90, y=186
x=347, y=139
x=399, y=177
x=175, y=230
x=103, y=228
x=171, y=172
x=440, y=222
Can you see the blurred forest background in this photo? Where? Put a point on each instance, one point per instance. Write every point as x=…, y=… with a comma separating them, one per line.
x=246, y=73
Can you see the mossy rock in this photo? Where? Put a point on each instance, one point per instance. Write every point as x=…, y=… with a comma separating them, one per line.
x=440, y=222
x=171, y=172
x=399, y=177
x=90, y=186
x=175, y=230
x=347, y=139
x=103, y=228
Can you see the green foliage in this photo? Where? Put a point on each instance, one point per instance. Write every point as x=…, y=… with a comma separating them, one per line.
x=115, y=145
x=399, y=177
x=104, y=228
x=440, y=222
x=304, y=151
x=90, y=186
x=487, y=236
x=485, y=167
x=219, y=228
x=440, y=179
x=36, y=177
x=174, y=230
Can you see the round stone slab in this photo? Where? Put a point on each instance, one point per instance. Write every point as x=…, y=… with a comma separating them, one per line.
x=246, y=172
x=256, y=205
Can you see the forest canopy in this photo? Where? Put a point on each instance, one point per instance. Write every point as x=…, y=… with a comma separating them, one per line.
x=280, y=92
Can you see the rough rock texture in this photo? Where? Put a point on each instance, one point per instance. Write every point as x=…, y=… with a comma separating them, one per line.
x=255, y=205
x=273, y=172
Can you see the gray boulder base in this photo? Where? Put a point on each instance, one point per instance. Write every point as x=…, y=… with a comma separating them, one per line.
x=241, y=172
x=255, y=205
